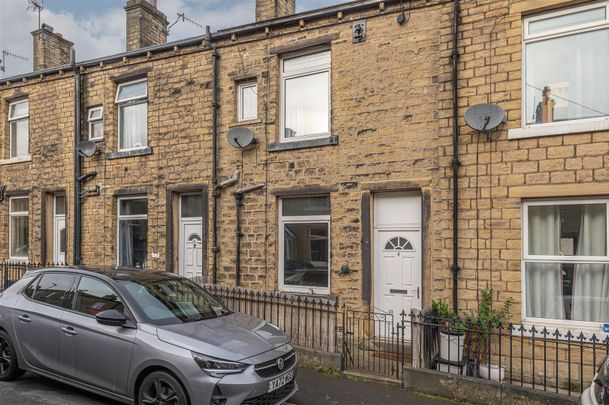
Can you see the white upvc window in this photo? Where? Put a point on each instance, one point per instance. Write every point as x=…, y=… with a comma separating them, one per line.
x=565, y=61
x=18, y=121
x=95, y=117
x=132, y=232
x=305, y=96
x=132, y=101
x=247, y=101
x=304, y=244
x=565, y=262
x=18, y=228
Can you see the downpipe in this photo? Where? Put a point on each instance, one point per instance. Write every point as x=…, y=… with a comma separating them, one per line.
x=214, y=158
x=455, y=161
x=77, y=241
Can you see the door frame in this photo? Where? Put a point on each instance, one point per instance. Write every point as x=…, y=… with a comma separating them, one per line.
x=172, y=223
x=55, y=228
x=189, y=221
x=376, y=230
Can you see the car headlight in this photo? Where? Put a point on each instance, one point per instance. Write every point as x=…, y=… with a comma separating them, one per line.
x=216, y=367
x=601, y=383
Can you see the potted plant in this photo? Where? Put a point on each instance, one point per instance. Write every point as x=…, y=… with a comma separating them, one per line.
x=480, y=328
x=451, y=332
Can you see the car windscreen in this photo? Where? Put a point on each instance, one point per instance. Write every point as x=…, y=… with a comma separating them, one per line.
x=167, y=301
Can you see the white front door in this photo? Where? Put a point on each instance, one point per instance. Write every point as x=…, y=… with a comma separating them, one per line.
x=59, y=229
x=398, y=253
x=59, y=242
x=191, y=248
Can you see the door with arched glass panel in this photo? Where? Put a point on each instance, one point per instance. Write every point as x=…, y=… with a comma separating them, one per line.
x=398, y=253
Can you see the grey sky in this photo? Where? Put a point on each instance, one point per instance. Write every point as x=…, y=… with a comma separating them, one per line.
x=97, y=27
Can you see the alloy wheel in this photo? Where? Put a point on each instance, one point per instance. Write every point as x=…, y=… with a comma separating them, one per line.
x=159, y=391
x=6, y=356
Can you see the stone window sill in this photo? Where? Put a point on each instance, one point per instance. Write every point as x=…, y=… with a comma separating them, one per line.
x=304, y=144
x=245, y=123
x=130, y=153
x=560, y=128
x=18, y=159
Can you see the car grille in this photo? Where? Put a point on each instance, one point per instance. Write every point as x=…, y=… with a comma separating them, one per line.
x=269, y=369
x=272, y=397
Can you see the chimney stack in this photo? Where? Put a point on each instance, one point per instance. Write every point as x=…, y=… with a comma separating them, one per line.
x=269, y=9
x=51, y=49
x=146, y=25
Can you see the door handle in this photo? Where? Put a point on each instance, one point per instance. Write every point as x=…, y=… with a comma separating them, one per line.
x=69, y=331
x=24, y=318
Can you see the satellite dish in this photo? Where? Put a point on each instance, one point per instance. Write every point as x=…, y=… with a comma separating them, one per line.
x=87, y=148
x=241, y=137
x=484, y=117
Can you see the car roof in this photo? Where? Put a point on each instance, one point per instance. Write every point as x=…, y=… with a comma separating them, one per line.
x=112, y=273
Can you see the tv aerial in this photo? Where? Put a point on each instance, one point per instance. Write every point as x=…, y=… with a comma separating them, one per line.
x=484, y=117
x=36, y=6
x=182, y=17
x=6, y=54
x=241, y=137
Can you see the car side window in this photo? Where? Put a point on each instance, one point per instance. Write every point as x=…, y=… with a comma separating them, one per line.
x=29, y=291
x=52, y=288
x=94, y=296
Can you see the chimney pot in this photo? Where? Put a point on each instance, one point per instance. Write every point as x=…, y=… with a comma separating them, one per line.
x=269, y=9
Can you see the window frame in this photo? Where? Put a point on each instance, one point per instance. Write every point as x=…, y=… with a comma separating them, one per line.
x=67, y=296
x=302, y=219
x=74, y=290
x=18, y=118
x=131, y=101
x=12, y=215
x=93, y=121
x=120, y=217
x=240, y=100
x=526, y=257
x=594, y=123
x=303, y=73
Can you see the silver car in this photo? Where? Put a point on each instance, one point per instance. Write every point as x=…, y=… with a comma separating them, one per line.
x=141, y=338
x=598, y=392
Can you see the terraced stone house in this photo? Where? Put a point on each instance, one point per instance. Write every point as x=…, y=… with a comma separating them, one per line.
x=314, y=153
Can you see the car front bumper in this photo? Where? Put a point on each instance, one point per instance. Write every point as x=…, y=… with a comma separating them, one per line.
x=587, y=398
x=247, y=388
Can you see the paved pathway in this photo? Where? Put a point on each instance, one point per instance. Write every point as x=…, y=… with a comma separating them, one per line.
x=314, y=389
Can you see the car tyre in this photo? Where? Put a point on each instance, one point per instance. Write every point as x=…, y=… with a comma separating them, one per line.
x=160, y=387
x=9, y=369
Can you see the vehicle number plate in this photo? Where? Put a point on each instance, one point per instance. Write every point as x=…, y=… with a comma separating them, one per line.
x=281, y=381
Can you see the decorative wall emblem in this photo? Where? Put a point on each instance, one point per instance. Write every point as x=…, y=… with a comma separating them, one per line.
x=359, y=31
x=2, y=188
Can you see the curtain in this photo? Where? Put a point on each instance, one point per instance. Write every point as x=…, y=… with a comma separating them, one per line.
x=591, y=281
x=126, y=244
x=544, y=298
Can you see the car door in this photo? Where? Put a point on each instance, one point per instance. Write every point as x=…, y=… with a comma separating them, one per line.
x=96, y=354
x=37, y=316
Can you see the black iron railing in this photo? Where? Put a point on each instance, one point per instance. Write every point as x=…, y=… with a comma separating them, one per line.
x=11, y=271
x=309, y=321
x=555, y=360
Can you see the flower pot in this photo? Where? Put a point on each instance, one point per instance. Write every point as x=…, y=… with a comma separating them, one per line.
x=496, y=372
x=451, y=345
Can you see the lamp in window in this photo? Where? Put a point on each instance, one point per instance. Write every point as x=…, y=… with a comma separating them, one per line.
x=545, y=108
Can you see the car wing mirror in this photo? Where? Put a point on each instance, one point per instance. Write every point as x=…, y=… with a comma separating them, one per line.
x=111, y=317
